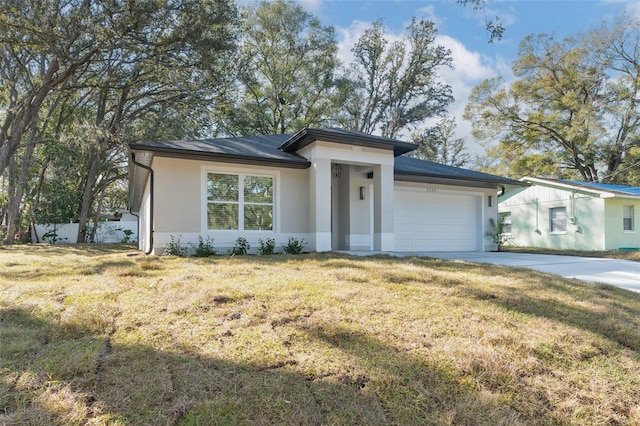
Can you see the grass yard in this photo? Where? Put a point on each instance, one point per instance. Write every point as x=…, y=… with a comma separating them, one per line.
x=105, y=335
x=610, y=254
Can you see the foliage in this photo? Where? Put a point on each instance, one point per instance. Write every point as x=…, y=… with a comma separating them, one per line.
x=127, y=235
x=294, y=246
x=494, y=27
x=81, y=79
x=497, y=232
x=573, y=111
x=392, y=86
x=284, y=72
x=51, y=236
x=205, y=247
x=241, y=247
x=174, y=248
x=438, y=144
x=267, y=246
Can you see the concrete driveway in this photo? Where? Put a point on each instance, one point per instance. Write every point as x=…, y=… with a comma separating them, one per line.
x=621, y=273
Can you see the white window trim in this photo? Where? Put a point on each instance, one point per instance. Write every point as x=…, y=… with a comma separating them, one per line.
x=633, y=219
x=504, y=214
x=551, y=231
x=240, y=172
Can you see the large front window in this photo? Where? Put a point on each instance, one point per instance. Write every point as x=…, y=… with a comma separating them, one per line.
x=239, y=202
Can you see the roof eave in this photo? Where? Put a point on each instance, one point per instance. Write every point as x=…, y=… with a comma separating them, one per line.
x=307, y=136
x=301, y=163
x=600, y=193
x=453, y=181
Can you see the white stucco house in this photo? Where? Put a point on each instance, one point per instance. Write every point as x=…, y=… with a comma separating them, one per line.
x=567, y=214
x=336, y=189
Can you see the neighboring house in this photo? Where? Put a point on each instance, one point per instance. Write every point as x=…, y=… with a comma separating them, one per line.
x=571, y=215
x=337, y=190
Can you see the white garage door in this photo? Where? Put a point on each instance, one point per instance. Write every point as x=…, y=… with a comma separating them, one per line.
x=431, y=221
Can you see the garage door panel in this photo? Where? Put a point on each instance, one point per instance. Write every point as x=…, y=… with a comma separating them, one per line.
x=435, y=222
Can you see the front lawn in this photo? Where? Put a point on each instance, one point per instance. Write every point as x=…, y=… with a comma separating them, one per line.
x=101, y=335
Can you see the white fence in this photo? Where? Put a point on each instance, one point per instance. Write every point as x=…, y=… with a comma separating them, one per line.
x=108, y=232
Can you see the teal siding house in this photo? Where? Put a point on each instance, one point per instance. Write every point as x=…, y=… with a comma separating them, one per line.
x=565, y=214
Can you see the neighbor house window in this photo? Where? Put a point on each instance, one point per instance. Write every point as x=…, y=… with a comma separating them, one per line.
x=239, y=202
x=558, y=219
x=505, y=219
x=627, y=218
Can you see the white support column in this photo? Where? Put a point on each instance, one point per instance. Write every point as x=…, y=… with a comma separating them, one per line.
x=383, y=207
x=320, y=197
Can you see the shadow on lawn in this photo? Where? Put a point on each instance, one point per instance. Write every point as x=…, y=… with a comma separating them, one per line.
x=609, y=311
x=71, y=375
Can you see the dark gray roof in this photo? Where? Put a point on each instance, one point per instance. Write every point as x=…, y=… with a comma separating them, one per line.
x=414, y=169
x=308, y=135
x=280, y=151
x=247, y=149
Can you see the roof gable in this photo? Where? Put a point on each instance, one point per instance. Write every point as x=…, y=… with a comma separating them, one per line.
x=307, y=136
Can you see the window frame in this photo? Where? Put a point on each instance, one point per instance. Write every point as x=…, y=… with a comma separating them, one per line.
x=552, y=228
x=632, y=219
x=240, y=175
x=502, y=216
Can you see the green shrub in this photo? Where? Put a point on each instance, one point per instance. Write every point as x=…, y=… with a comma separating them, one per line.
x=267, y=247
x=242, y=247
x=294, y=246
x=205, y=248
x=173, y=248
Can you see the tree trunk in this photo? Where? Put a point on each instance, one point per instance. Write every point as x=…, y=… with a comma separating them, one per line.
x=87, y=194
x=15, y=199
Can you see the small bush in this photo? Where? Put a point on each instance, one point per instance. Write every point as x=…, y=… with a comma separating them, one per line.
x=267, y=247
x=294, y=246
x=242, y=247
x=205, y=248
x=173, y=248
x=127, y=235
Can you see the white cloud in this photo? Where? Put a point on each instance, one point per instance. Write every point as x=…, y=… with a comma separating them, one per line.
x=429, y=13
x=470, y=69
x=311, y=6
x=347, y=38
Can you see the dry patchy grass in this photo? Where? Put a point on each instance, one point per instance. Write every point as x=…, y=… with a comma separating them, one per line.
x=610, y=254
x=106, y=336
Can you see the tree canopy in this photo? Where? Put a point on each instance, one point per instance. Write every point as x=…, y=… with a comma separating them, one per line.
x=391, y=87
x=283, y=75
x=572, y=111
x=81, y=79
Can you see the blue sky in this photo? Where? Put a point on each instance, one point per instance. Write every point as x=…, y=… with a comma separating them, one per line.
x=461, y=29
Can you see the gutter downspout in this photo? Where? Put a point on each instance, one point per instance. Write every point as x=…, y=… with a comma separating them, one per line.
x=150, y=170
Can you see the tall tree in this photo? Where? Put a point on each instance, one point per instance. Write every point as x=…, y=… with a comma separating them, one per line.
x=390, y=87
x=573, y=111
x=439, y=144
x=43, y=44
x=284, y=72
x=99, y=73
x=169, y=61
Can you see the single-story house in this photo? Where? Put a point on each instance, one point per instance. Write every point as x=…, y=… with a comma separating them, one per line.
x=334, y=189
x=567, y=214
